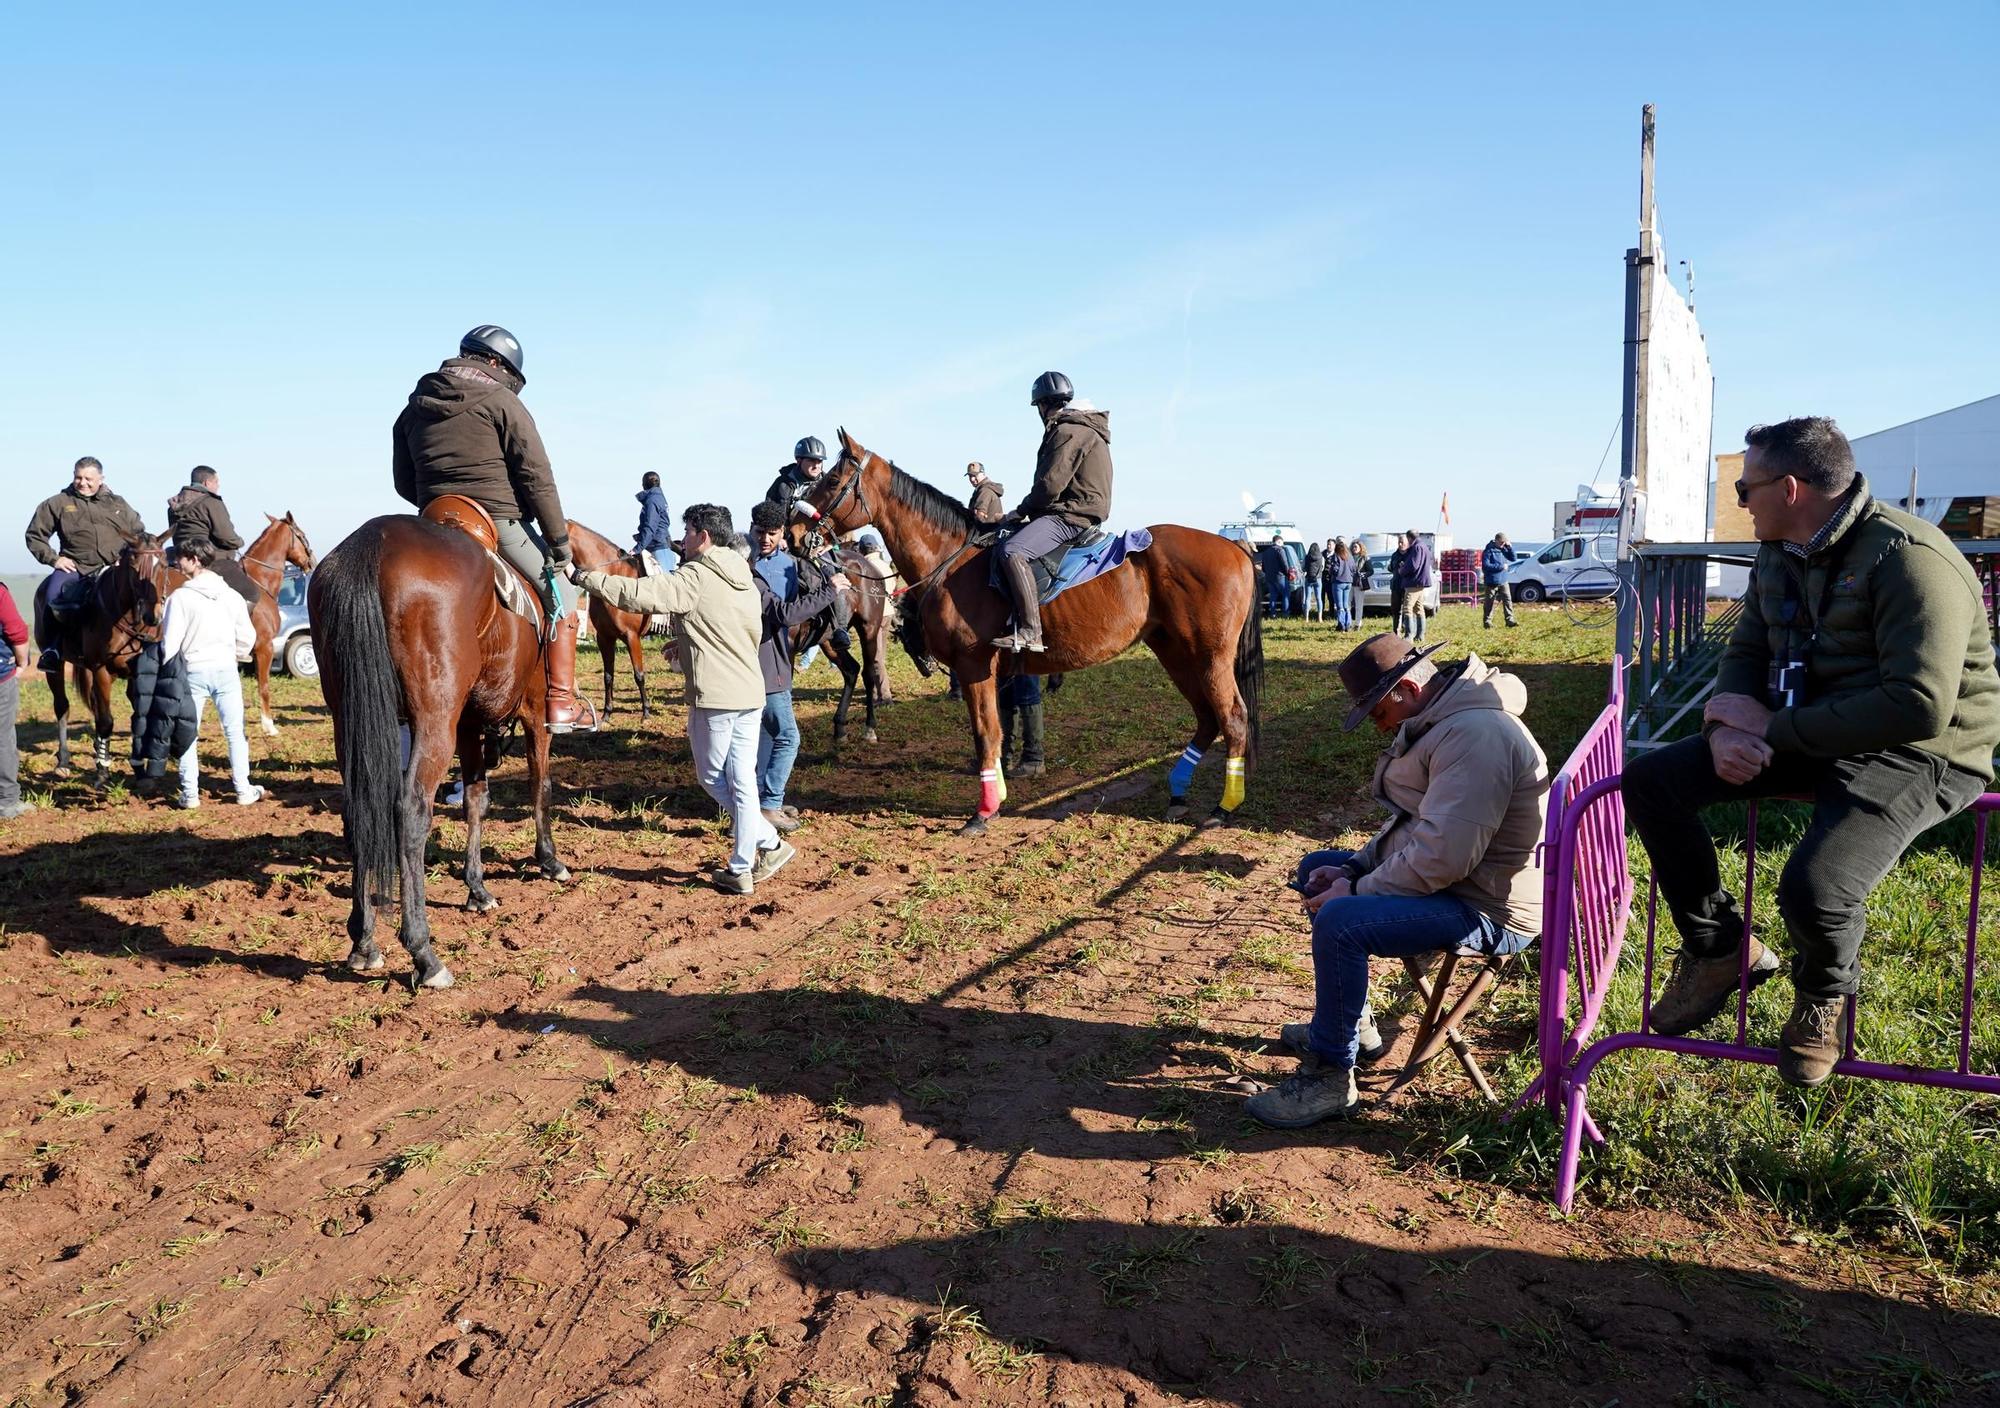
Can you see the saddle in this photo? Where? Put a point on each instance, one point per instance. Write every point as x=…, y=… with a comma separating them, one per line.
x=1091, y=555
x=515, y=592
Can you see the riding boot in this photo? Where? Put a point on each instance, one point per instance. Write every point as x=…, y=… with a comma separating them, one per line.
x=567, y=713
x=1030, y=763
x=1020, y=573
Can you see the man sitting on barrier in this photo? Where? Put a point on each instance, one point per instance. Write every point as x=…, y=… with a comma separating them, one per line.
x=1860, y=674
x=1453, y=868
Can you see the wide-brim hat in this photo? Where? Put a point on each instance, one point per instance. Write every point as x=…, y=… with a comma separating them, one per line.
x=1372, y=668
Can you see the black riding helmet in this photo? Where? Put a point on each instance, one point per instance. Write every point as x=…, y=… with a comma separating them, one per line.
x=809, y=449
x=1051, y=386
x=492, y=340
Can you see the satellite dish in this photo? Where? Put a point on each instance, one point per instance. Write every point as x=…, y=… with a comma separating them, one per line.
x=1249, y=502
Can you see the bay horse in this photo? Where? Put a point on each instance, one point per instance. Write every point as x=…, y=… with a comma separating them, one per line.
x=124, y=613
x=409, y=630
x=870, y=613
x=608, y=625
x=264, y=561
x=1191, y=597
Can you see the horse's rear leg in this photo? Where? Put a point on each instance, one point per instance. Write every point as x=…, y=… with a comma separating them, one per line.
x=607, y=649
x=430, y=759
x=472, y=766
x=59, y=696
x=850, y=672
x=874, y=679
x=635, y=648
x=1209, y=684
x=538, y=781
x=260, y=655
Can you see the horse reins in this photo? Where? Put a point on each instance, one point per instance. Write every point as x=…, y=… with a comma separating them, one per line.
x=853, y=486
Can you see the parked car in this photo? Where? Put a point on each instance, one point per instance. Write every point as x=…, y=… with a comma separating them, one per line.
x=293, y=647
x=1379, y=546
x=1575, y=565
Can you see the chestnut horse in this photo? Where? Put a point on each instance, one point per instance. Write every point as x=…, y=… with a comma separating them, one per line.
x=608, y=625
x=408, y=630
x=1191, y=597
x=124, y=614
x=870, y=613
x=281, y=542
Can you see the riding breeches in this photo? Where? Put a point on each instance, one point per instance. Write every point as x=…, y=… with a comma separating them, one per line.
x=523, y=546
x=1041, y=536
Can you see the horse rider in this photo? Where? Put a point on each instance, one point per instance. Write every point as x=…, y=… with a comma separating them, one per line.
x=466, y=432
x=90, y=525
x=197, y=512
x=808, y=458
x=1071, y=495
x=988, y=494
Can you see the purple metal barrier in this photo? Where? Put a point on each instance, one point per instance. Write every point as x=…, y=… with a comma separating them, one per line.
x=1569, y=1082
x=1583, y=910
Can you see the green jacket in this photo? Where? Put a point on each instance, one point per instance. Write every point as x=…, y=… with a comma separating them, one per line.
x=89, y=532
x=1891, y=623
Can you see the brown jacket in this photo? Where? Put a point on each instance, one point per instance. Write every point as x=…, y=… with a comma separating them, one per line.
x=466, y=432
x=89, y=532
x=989, y=502
x=1073, y=470
x=718, y=622
x=196, y=512
x=1465, y=784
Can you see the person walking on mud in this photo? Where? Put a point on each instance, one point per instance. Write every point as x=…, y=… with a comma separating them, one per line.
x=1071, y=495
x=466, y=432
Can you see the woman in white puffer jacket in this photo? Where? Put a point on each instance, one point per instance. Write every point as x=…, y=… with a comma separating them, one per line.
x=207, y=623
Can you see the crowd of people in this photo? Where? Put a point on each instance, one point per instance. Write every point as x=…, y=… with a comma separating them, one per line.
x=1331, y=581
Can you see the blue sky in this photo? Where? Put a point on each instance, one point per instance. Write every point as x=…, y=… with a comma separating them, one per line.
x=1347, y=258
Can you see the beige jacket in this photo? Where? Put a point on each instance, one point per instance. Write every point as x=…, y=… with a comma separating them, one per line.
x=717, y=623
x=1465, y=784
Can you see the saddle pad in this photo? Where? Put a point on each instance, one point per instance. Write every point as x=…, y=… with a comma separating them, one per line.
x=1090, y=556
x=513, y=592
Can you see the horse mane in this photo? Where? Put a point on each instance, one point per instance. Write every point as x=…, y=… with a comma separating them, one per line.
x=936, y=507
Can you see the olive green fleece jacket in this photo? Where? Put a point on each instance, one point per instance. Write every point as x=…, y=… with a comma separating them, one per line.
x=718, y=622
x=1902, y=654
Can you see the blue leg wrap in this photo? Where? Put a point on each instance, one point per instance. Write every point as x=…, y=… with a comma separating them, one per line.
x=1183, y=771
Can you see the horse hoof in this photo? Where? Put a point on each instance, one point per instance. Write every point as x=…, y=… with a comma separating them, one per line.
x=869, y=737
x=1215, y=820
x=1177, y=809
x=270, y=729
x=558, y=873
x=975, y=827
x=440, y=979
x=360, y=962
x=481, y=904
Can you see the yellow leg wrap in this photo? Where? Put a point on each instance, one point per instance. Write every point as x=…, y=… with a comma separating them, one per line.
x=1232, y=785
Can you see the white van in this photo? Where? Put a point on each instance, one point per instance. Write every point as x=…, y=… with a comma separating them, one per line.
x=1574, y=565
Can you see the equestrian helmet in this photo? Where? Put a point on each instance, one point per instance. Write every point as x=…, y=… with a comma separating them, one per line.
x=809, y=449
x=1051, y=386
x=492, y=340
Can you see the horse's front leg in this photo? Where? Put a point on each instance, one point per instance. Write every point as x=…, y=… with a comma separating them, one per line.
x=260, y=654
x=982, y=704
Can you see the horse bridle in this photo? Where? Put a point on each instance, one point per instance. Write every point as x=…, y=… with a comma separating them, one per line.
x=279, y=567
x=851, y=487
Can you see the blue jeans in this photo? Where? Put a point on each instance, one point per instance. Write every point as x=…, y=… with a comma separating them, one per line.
x=225, y=687
x=1276, y=596
x=1347, y=932
x=1313, y=606
x=1343, y=604
x=777, y=750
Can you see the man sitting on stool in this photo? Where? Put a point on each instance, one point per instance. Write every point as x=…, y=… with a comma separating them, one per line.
x=1861, y=674
x=1453, y=869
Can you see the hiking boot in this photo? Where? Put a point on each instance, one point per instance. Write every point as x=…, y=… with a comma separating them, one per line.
x=771, y=860
x=791, y=811
x=731, y=882
x=566, y=712
x=1030, y=763
x=1311, y=1094
x=1297, y=1038
x=1814, y=1038
x=780, y=823
x=1702, y=987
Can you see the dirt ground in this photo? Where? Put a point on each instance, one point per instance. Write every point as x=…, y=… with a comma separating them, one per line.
x=928, y=1121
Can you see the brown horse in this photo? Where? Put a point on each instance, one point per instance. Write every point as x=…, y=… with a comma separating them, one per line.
x=870, y=613
x=282, y=542
x=123, y=614
x=596, y=553
x=1191, y=597
x=409, y=630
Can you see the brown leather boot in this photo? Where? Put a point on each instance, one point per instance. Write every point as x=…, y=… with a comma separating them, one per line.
x=567, y=713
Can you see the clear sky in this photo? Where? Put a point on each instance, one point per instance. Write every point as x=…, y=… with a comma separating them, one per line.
x=1346, y=258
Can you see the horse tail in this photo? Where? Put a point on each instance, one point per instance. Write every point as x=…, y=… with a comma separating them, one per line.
x=351, y=636
x=1250, y=672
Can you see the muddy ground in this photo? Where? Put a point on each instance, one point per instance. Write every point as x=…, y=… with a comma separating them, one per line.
x=927, y=1121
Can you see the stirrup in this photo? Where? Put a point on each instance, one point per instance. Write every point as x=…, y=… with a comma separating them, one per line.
x=1018, y=642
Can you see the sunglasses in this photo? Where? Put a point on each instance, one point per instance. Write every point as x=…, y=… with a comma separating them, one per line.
x=1743, y=488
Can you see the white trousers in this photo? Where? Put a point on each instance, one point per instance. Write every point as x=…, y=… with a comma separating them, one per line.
x=724, y=744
